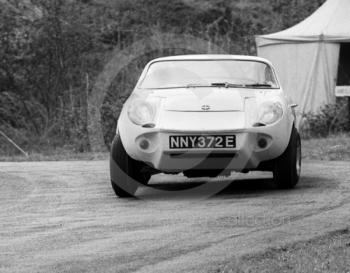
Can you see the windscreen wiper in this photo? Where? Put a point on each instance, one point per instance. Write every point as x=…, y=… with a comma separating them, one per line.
x=227, y=85
x=259, y=85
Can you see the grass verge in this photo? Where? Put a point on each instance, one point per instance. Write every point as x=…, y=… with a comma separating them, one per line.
x=332, y=148
x=55, y=155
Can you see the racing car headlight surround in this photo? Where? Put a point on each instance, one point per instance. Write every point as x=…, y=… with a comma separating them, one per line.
x=141, y=112
x=270, y=112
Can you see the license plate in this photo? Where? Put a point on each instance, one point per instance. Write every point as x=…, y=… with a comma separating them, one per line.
x=202, y=142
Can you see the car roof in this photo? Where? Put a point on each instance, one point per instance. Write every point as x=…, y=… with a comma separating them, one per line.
x=201, y=57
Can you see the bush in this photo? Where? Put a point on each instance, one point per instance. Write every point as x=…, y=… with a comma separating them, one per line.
x=332, y=118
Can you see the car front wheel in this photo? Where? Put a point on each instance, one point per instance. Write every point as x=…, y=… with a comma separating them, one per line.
x=287, y=167
x=126, y=173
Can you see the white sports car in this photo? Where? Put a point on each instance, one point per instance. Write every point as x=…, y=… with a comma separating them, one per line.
x=205, y=116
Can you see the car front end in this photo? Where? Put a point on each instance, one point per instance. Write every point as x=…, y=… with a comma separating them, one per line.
x=205, y=139
x=207, y=116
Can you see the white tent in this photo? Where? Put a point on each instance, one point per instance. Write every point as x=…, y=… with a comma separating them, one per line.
x=306, y=56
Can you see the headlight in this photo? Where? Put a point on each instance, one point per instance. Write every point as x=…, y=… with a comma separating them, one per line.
x=141, y=112
x=270, y=112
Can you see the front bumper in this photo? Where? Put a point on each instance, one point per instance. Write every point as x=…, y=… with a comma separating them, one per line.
x=247, y=154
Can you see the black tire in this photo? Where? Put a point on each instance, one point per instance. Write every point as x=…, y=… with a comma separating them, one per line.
x=287, y=167
x=125, y=171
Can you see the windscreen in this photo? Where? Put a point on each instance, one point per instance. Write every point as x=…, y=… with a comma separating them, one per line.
x=197, y=73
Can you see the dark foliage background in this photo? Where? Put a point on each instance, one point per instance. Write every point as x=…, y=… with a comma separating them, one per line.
x=52, y=50
x=331, y=119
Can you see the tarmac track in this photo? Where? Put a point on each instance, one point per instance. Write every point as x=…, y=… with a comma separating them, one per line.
x=64, y=217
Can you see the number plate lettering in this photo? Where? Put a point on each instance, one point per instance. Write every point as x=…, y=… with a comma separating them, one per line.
x=202, y=142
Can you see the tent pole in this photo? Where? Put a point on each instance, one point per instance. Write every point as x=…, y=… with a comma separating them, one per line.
x=349, y=112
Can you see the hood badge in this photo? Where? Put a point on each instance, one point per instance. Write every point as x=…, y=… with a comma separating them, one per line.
x=205, y=107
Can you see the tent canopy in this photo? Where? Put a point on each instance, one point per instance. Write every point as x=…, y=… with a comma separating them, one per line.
x=306, y=55
x=330, y=23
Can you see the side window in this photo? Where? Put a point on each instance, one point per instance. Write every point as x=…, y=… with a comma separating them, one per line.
x=268, y=75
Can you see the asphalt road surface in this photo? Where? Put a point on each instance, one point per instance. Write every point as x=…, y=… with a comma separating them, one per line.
x=64, y=217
